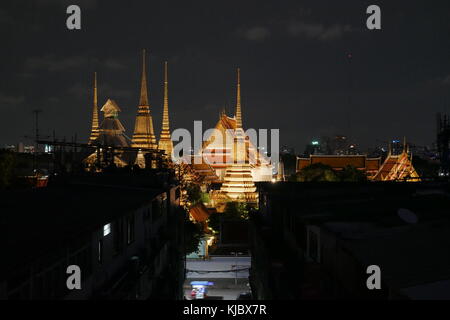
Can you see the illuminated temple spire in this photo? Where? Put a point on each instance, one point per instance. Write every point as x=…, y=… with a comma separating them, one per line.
x=238, y=182
x=165, y=142
x=238, y=101
x=94, y=128
x=144, y=136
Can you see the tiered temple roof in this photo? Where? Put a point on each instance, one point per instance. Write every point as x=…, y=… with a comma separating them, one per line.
x=397, y=168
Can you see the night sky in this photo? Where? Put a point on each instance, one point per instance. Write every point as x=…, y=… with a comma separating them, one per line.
x=295, y=72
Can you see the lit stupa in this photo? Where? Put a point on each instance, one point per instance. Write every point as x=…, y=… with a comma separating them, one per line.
x=238, y=181
x=165, y=141
x=144, y=136
x=94, y=127
x=111, y=134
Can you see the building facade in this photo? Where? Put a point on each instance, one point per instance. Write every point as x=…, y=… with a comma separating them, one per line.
x=127, y=241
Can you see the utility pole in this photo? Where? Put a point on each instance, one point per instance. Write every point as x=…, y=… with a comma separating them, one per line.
x=36, y=115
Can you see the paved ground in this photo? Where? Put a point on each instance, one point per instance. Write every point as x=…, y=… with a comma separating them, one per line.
x=228, y=284
x=199, y=268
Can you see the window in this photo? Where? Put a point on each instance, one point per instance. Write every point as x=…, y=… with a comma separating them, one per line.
x=130, y=229
x=106, y=229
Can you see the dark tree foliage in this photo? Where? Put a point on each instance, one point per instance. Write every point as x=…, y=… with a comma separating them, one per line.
x=194, y=193
x=352, y=174
x=236, y=210
x=193, y=234
x=7, y=165
x=289, y=162
x=317, y=172
x=214, y=221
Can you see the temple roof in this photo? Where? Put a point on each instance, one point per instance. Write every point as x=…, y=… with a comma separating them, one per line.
x=199, y=213
x=341, y=161
x=397, y=167
x=110, y=108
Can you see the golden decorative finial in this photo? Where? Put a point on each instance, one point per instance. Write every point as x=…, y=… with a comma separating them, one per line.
x=144, y=136
x=94, y=127
x=165, y=141
x=238, y=101
x=143, y=101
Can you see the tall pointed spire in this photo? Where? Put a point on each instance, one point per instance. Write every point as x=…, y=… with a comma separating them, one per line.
x=144, y=135
x=165, y=141
x=143, y=101
x=238, y=101
x=94, y=127
x=405, y=146
x=238, y=181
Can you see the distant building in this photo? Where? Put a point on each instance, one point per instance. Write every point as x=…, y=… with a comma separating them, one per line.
x=395, y=167
x=370, y=166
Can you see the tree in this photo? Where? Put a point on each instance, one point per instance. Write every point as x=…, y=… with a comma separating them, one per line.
x=352, y=174
x=289, y=162
x=214, y=221
x=317, y=172
x=194, y=194
x=193, y=235
x=7, y=164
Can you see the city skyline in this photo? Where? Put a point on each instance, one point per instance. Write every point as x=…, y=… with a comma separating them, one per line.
x=294, y=61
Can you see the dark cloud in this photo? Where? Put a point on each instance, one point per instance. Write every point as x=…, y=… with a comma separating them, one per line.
x=317, y=31
x=292, y=54
x=9, y=101
x=52, y=63
x=255, y=33
x=5, y=18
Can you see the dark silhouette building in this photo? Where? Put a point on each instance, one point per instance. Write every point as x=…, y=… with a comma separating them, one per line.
x=316, y=240
x=125, y=232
